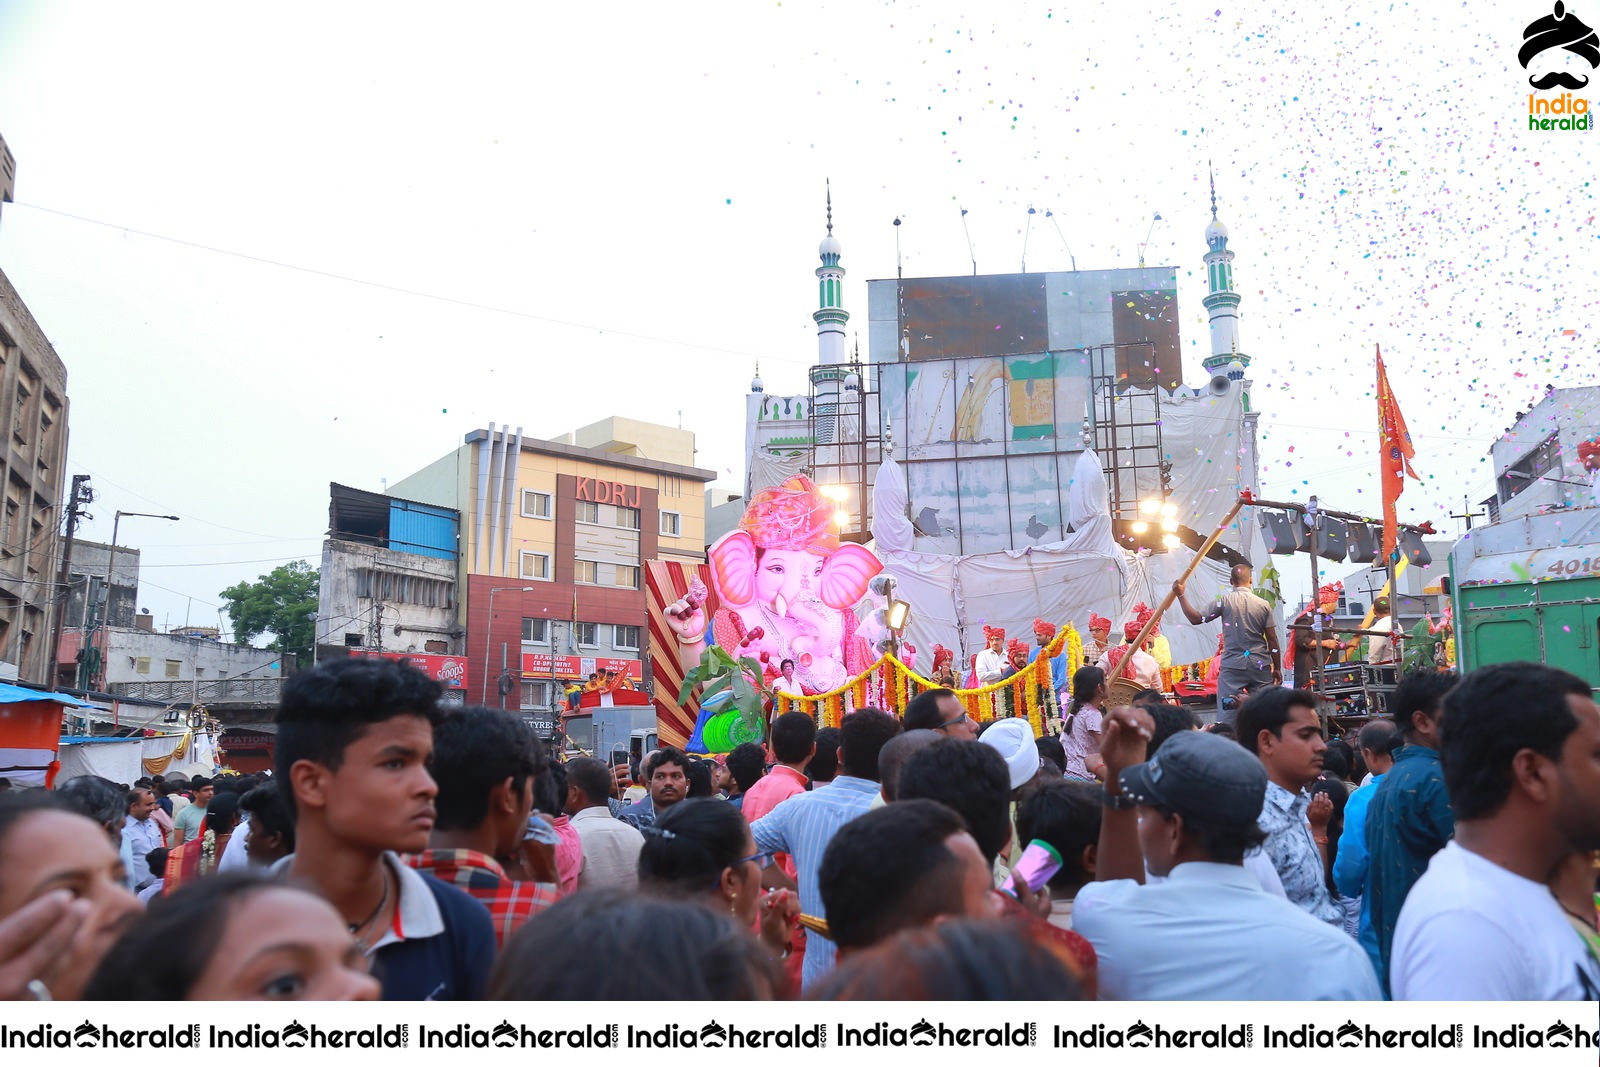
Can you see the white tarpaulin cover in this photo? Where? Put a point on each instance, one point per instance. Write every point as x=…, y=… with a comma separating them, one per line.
x=116, y=759
x=953, y=597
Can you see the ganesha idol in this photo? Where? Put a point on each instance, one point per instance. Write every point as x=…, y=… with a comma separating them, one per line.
x=786, y=585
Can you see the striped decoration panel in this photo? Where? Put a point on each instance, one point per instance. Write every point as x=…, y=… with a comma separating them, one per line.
x=665, y=582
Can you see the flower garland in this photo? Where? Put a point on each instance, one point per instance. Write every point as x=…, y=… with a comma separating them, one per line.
x=1029, y=693
x=208, y=852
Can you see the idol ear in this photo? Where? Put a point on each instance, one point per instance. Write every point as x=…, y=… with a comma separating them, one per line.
x=846, y=574
x=733, y=568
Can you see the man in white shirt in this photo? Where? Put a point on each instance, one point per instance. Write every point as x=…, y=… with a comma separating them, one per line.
x=1381, y=649
x=1518, y=746
x=1207, y=931
x=610, y=846
x=992, y=664
x=786, y=682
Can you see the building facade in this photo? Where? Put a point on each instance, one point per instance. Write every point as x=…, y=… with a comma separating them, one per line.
x=33, y=423
x=1538, y=464
x=554, y=536
x=388, y=585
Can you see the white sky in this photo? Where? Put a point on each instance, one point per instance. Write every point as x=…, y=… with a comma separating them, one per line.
x=637, y=187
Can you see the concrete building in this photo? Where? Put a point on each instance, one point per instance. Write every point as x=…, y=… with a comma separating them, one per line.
x=97, y=591
x=554, y=534
x=1536, y=462
x=388, y=584
x=33, y=423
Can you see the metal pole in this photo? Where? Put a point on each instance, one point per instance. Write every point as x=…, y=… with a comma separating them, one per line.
x=488, y=629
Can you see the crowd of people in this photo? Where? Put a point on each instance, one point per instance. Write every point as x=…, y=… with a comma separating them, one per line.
x=404, y=851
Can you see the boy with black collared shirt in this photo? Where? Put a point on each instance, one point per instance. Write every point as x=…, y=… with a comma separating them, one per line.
x=354, y=739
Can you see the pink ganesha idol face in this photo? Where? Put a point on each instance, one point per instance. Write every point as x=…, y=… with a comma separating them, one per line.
x=783, y=576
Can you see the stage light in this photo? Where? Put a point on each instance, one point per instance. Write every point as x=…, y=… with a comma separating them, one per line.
x=1149, y=507
x=1170, y=540
x=1140, y=527
x=842, y=518
x=1170, y=525
x=898, y=615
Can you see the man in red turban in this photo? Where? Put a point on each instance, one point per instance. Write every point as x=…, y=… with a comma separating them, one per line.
x=1044, y=633
x=991, y=664
x=1142, y=670
x=1099, y=637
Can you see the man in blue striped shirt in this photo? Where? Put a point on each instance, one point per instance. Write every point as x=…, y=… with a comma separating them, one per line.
x=803, y=825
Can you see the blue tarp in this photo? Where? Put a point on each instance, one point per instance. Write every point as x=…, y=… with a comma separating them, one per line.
x=16, y=694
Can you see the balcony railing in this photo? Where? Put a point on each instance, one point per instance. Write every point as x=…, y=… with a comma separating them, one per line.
x=213, y=691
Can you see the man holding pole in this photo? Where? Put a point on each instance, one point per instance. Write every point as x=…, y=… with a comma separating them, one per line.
x=1251, y=656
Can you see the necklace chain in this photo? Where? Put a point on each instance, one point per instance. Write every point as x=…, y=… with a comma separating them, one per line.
x=356, y=928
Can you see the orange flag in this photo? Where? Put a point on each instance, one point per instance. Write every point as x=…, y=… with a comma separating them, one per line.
x=1396, y=453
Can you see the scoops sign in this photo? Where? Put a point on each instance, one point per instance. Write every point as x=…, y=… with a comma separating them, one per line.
x=448, y=671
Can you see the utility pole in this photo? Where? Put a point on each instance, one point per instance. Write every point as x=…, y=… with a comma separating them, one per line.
x=81, y=495
x=1467, y=513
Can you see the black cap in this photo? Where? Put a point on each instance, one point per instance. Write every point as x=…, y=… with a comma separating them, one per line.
x=1201, y=776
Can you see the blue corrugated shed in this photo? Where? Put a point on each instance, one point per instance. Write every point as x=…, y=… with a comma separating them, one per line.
x=422, y=529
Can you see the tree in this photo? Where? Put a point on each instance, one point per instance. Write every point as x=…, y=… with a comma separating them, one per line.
x=283, y=603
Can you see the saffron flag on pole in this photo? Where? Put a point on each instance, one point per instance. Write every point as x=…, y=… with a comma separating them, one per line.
x=1394, y=444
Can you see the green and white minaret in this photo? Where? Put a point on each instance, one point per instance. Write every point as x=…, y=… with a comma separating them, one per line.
x=1221, y=302
x=831, y=317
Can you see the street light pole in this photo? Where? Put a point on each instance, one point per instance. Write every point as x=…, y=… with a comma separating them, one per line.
x=488, y=631
x=111, y=568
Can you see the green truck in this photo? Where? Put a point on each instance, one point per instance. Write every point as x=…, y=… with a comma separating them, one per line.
x=1528, y=588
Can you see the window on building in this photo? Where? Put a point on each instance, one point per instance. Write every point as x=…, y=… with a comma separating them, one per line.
x=627, y=577
x=142, y=664
x=174, y=668
x=1530, y=468
x=628, y=518
x=588, y=511
x=352, y=640
x=587, y=633
x=536, y=631
x=536, y=694
x=535, y=505
x=586, y=572
x=671, y=524
x=626, y=637
x=535, y=566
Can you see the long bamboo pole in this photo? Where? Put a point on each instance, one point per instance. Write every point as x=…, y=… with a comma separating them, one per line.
x=1166, y=602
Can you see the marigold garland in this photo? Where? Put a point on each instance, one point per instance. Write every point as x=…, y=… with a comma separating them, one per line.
x=896, y=684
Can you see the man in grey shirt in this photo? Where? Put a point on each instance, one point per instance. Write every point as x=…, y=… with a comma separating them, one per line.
x=1251, y=658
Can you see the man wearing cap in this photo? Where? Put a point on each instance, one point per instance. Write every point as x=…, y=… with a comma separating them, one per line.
x=1207, y=930
x=1013, y=739
x=991, y=665
x=1251, y=657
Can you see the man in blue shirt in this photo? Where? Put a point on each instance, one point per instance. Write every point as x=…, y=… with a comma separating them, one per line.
x=1408, y=818
x=803, y=825
x=1378, y=740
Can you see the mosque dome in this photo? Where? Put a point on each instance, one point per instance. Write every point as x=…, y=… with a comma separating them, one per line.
x=852, y=382
x=830, y=246
x=757, y=385
x=1216, y=234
